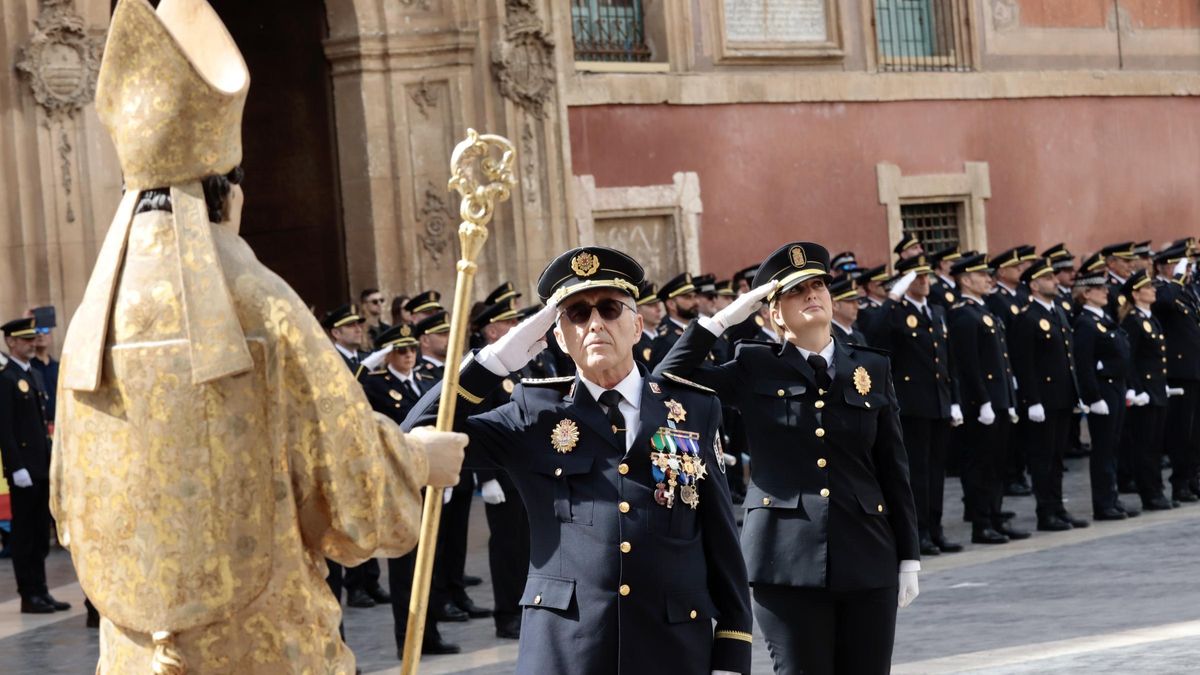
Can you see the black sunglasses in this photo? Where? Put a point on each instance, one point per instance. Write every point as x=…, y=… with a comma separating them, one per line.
x=609, y=309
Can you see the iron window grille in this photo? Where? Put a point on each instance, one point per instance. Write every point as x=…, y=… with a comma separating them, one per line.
x=609, y=30
x=923, y=35
x=934, y=225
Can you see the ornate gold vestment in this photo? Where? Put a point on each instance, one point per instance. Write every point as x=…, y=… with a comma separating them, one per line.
x=212, y=448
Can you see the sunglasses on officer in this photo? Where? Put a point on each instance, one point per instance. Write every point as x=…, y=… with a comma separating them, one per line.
x=610, y=309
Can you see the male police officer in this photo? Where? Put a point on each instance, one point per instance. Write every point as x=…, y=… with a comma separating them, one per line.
x=634, y=547
x=1179, y=313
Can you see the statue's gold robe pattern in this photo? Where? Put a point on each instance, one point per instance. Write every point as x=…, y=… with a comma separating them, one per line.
x=207, y=510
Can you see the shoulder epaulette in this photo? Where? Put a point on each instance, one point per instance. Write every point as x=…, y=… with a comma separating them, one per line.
x=680, y=380
x=381, y=371
x=547, y=381
x=874, y=350
x=958, y=305
x=662, y=328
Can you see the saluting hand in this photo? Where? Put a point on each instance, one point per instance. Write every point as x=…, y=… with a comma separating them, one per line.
x=901, y=286
x=525, y=341
x=740, y=309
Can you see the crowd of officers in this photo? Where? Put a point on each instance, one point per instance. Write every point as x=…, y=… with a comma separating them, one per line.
x=996, y=360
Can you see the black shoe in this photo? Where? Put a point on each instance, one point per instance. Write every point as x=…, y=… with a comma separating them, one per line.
x=1184, y=495
x=1079, y=523
x=1017, y=489
x=1053, y=524
x=450, y=612
x=928, y=547
x=1128, y=510
x=986, y=535
x=36, y=604
x=946, y=546
x=379, y=595
x=469, y=580
x=434, y=645
x=1159, y=503
x=56, y=604
x=1109, y=514
x=508, y=630
x=1011, y=532
x=473, y=611
x=358, y=597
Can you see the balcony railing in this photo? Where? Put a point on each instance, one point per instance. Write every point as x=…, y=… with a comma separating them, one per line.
x=609, y=30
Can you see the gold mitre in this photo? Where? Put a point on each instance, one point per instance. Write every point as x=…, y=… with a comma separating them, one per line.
x=171, y=91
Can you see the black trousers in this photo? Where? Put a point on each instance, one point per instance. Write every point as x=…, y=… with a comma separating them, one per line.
x=1016, y=453
x=1179, y=438
x=363, y=576
x=1047, y=441
x=450, y=562
x=925, y=441
x=29, y=541
x=983, y=449
x=1146, y=425
x=1105, y=431
x=815, y=631
x=508, y=551
x=400, y=581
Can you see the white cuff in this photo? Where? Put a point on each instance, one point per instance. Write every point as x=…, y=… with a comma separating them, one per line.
x=488, y=360
x=910, y=565
x=710, y=324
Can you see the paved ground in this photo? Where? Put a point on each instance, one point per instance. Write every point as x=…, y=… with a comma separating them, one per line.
x=1113, y=598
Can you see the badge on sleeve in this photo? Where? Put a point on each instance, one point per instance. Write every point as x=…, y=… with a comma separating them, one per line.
x=675, y=411
x=564, y=436
x=719, y=452
x=862, y=380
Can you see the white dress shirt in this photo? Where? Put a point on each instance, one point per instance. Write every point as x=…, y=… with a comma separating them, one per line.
x=630, y=390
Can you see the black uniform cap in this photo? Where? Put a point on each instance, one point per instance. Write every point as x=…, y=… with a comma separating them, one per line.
x=401, y=335
x=843, y=288
x=504, y=291
x=1121, y=250
x=726, y=288
x=1134, y=282
x=1027, y=252
x=792, y=264
x=432, y=324
x=976, y=262
x=706, y=284
x=1006, y=259
x=878, y=273
x=1093, y=263
x=588, y=267
x=906, y=242
x=948, y=254
x=677, y=286
x=917, y=263
x=25, y=327
x=424, y=302
x=746, y=273
x=843, y=262
x=1091, y=279
x=342, y=316
x=1142, y=250
x=647, y=293
x=1171, y=254
x=1040, y=267
x=501, y=311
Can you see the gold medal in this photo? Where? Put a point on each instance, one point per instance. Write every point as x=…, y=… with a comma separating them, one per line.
x=987, y=321
x=862, y=380
x=911, y=321
x=675, y=411
x=395, y=395
x=689, y=495
x=1044, y=325
x=564, y=436
x=508, y=386
x=23, y=386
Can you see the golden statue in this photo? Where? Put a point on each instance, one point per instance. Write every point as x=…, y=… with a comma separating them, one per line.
x=212, y=448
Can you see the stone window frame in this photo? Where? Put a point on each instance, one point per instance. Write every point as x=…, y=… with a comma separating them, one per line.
x=833, y=48
x=667, y=20
x=679, y=200
x=972, y=188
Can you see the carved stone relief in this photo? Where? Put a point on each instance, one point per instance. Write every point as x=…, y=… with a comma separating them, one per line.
x=523, y=61
x=435, y=222
x=424, y=96
x=1006, y=14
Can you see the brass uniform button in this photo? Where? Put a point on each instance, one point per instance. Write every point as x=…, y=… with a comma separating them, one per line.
x=624, y=589
x=623, y=507
x=820, y=432
x=867, y=403
x=781, y=392
x=819, y=404
x=626, y=547
x=824, y=492
x=537, y=599
x=622, y=468
x=766, y=501
x=821, y=463
x=558, y=471
x=879, y=508
x=694, y=614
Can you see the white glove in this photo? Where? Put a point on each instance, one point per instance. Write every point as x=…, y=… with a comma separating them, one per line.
x=21, y=478
x=1099, y=407
x=956, y=417
x=376, y=358
x=739, y=310
x=1130, y=397
x=1180, y=268
x=909, y=589
x=1012, y=415
x=723, y=672
x=729, y=459
x=986, y=415
x=444, y=452
x=1174, y=391
x=492, y=492
x=523, y=342
x=898, y=289
x=447, y=495
x=1036, y=413
x=1141, y=399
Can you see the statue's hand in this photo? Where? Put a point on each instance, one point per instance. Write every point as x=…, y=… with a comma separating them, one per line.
x=445, y=452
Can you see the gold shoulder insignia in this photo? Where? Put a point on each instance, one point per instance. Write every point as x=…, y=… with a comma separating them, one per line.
x=547, y=381
x=381, y=371
x=680, y=380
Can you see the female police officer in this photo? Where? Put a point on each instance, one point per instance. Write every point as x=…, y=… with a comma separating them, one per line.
x=830, y=516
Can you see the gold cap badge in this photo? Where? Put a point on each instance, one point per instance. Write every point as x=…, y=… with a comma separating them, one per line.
x=862, y=381
x=797, y=256
x=585, y=264
x=564, y=436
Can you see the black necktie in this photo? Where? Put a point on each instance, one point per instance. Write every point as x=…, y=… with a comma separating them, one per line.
x=411, y=389
x=925, y=311
x=821, y=370
x=611, y=399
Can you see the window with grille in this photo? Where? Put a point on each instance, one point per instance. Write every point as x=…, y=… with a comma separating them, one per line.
x=934, y=225
x=919, y=35
x=609, y=30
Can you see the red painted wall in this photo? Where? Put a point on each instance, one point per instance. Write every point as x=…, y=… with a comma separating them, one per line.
x=1088, y=171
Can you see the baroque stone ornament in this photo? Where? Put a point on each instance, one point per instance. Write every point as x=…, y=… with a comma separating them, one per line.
x=425, y=97
x=61, y=60
x=523, y=62
x=1006, y=14
x=435, y=217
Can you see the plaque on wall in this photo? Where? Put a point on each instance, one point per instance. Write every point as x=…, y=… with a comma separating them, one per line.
x=778, y=29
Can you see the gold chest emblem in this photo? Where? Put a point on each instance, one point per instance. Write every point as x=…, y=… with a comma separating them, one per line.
x=1014, y=310
x=1066, y=306
x=1044, y=325
x=949, y=297
x=987, y=321
x=585, y=264
x=564, y=436
x=1121, y=300
x=675, y=411
x=1100, y=327
x=23, y=386
x=1147, y=327
x=508, y=386
x=396, y=395
x=862, y=381
x=646, y=354
x=911, y=321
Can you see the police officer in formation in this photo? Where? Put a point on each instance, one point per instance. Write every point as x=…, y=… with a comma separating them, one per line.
x=1178, y=310
x=1148, y=389
x=633, y=548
